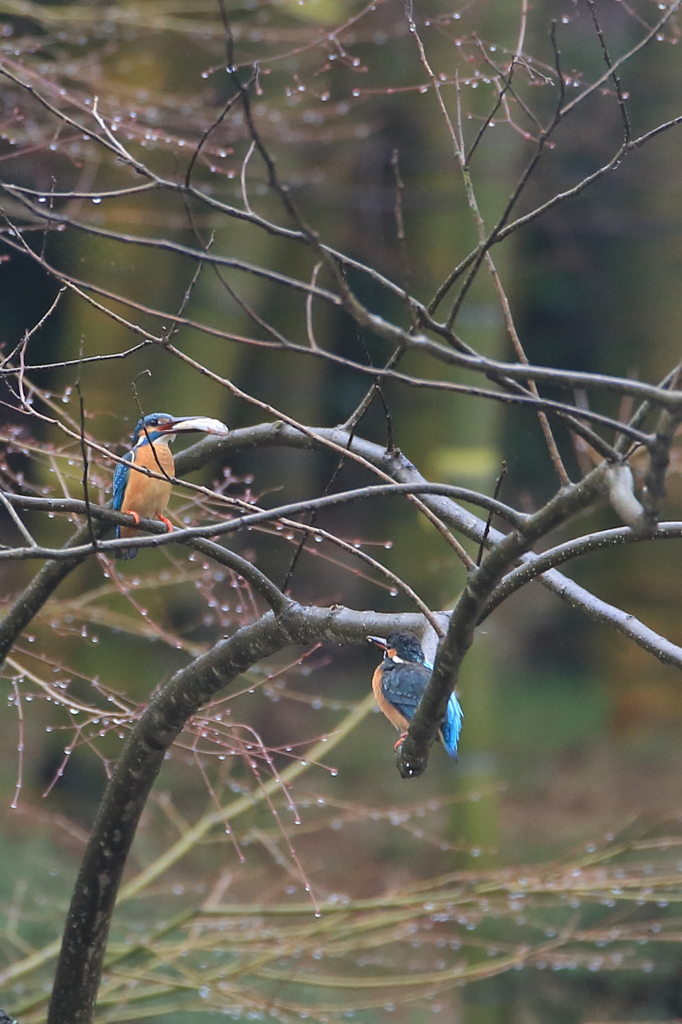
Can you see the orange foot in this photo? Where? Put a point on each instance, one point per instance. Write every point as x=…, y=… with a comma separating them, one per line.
x=169, y=525
x=399, y=742
x=133, y=514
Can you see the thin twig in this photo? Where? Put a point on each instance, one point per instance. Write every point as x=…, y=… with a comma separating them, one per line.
x=86, y=463
x=614, y=75
x=489, y=520
x=552, y=447
x=16, y=519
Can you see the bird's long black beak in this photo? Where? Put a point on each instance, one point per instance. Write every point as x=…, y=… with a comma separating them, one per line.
x=379, y=641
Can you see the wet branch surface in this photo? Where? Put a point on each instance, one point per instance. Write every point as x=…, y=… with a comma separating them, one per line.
x=87, y=927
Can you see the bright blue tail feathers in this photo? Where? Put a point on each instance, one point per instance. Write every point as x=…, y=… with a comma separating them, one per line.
x=452, y=726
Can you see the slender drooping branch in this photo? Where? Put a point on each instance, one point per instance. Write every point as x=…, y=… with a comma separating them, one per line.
x=413, y=753
x=397, y=465
x=245, y=520
x=562, y=553
x=514, y=392
x=385, y=329
x=458, y=518
x=506, y=552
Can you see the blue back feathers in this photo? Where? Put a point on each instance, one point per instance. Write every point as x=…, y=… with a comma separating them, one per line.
x=452, y=726
x=408, y=649
x=121, y=474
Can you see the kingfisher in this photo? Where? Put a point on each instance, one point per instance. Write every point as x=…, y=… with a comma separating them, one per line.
x=142, y=496
x=399, y=682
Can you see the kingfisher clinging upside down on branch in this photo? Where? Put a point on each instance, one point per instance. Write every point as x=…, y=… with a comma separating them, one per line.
x=146, y=497
x=399, y=682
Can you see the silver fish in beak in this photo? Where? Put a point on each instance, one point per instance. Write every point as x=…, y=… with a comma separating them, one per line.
x=200, y=424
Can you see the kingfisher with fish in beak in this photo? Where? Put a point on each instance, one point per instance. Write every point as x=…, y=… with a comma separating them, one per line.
x=146, y=497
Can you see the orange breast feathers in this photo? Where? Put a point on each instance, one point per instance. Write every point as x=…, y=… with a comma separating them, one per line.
x=146, y=495
x=392, y=714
